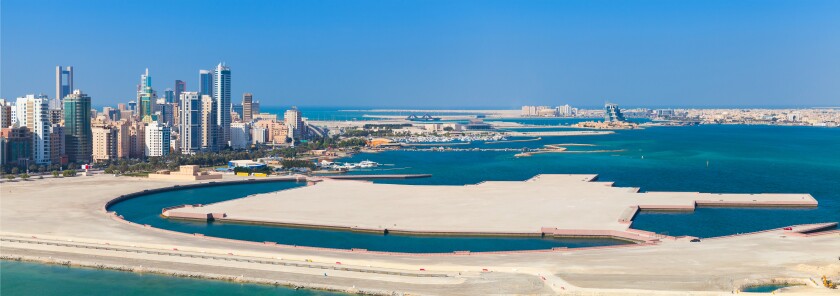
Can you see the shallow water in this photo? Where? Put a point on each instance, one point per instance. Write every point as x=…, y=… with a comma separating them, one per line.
x=23, y=278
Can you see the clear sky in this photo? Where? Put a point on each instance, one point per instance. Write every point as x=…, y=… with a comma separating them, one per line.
x=429, y=53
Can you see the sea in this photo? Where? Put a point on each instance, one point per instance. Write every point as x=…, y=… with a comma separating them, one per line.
x=706, y=158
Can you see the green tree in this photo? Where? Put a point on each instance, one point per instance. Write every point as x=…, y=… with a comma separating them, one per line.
x=55, y=174
x=24, y=176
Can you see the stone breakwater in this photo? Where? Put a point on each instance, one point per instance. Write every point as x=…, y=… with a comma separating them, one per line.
x=195, y=275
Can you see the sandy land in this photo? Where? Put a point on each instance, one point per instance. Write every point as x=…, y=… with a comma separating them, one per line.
x=502, y=207
x=47, y=212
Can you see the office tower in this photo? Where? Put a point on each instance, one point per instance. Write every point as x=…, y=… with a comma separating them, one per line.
x=123, y=139
x=132, y=105
x=255, y=109
x=5, y=114
x=63, y=82
x=17, y=148
x=240, y=135
x=169, y=95
x=180, y=87
x=294, y=122
x=77, y=132
x=612, y=113
x=137, y=139
x=104, y=143
x=205, y=83
x=164, y=111
x=121, y=107
x=221, y=94
x=57, y=154
x=157, y=139
x=247, y=107
x=33, y=113
x=145, y=94
x=209, y=129
x=190, y=123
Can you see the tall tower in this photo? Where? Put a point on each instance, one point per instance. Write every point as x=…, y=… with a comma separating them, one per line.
x=612, y=113
x=294, y=122
x=190, y=123
x=77, y=130
x=247, y=107
x=209, y=128
x=205, y=83
x=145, y=94
x=63, y=82
x=221, y=94
x=33, y=113
x=180, y=87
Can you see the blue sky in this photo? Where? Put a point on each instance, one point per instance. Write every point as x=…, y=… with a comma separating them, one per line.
x=436, y=53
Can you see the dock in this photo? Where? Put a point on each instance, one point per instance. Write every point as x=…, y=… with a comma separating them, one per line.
x=375, y=177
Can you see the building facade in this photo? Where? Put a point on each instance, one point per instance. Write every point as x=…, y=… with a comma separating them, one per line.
x=104, y=143
x=247, y=107
x=240, y=135
x=77, y=129
x=209, y=130
x=63, y=83
x=190, y=130
x=157, y=139
x=221, y=94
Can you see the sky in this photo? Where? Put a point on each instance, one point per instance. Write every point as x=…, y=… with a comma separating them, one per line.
x=435, y=54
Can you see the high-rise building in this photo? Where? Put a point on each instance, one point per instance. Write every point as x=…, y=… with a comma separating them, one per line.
x=157, y=139
x=209, y=135
x=145, y=94
x=137, y=139
x=33, y=112
x=180, y=87
x=240, y=135
x=259, y=134
x=294, y=122
x=132, y=105
x=205, y=83
x=221, y=94
x=63, y=82
x=17, y=146
x=5, y=114
x=123, y=139
x=612, y=113
x=104, y=143
x=276, y=132
x=164, y=111
x=77, y=131
x=169, y=95
x=190, y=123
x=57, y=154
x=247, y=107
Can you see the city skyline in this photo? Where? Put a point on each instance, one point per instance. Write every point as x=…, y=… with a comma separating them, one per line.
x=437, y=54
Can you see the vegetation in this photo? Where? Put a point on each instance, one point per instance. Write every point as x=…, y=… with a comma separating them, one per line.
x=69, y=173
x=24, y=176
x=55, y=174
x=297, y=163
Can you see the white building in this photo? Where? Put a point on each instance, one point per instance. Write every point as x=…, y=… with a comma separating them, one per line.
x=33, y=112
x=240, y=135
x=293, y=120
x=259, y=135
x=157, y=139
x=190, y=125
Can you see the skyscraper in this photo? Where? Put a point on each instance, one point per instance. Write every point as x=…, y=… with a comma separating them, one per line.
x=157, y=139
x=104, y=143
x=294, y=122
x=180, y=87
x=247, y=107
x=33, y=113
x=145, y=94
x=77, y=132
x=63, y=82
x=169, y=95
x=221, y=94
x=209, y=135
x=205, y=83
x=190, y=123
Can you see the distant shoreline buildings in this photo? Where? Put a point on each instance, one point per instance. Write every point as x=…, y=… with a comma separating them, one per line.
x=41, y=133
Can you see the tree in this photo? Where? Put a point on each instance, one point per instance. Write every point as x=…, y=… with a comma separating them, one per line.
x=15, y=170
x=24, y=176
x=10, y=177
x=448, y=129
x=55, y=174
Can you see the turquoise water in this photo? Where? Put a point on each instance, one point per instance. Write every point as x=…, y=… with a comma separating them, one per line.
x=741, y=159
x=146, y=210
x=20, y=278
x=764, y=288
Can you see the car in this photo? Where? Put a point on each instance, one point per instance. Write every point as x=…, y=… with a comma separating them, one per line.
x=695, y=240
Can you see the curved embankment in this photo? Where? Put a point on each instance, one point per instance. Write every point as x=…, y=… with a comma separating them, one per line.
x=631, y=235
